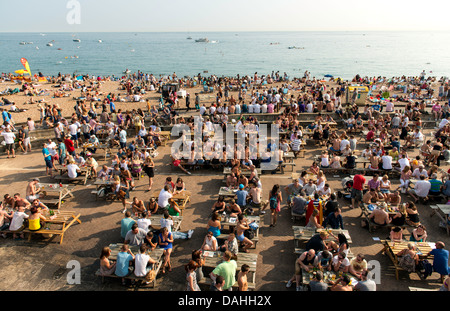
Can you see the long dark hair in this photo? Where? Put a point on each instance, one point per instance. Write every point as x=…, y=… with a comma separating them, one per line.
x=275, y=190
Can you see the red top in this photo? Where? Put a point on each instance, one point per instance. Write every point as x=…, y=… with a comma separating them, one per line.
x=69, y=145
x=358, y=182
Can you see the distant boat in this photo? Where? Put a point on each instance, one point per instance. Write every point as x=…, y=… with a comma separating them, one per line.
x=189, y=38
x=100, y=41
x=49, y=44
x=202, y=40
x=76, y=40
x=22, y=43
x=37, y=48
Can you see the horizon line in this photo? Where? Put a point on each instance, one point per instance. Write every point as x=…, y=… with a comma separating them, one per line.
x=225, y=31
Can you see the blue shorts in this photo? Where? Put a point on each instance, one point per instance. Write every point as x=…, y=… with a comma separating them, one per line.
x=48, y=163
x=74, y=137
x=240, y=238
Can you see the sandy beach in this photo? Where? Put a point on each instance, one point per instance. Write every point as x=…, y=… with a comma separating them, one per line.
x=43, y=265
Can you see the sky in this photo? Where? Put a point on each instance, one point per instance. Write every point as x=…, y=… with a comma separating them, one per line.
x=224, y=15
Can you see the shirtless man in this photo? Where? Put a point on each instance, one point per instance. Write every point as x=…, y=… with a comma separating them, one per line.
x=342, y=284
x=380, y=217
x=232, y=181
x=394, y=198
x=242, y=278
x=242, y=225
x=33, y=189
x=256, y=194
x=234, y=209
x=137, y=206
x=18, y=201
x=372, y=196
x=8, y=200
x=243, y=180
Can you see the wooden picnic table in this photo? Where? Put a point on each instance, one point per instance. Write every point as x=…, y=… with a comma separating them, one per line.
x=303, y=234
x=156, y=221
x=392, y=249
x=231, y=222
x=227, y=192
x=156, y=254
x=85, y=173
x=61, y=192
x=103, y=147
x=308, y=276
x=181, y=198
x=65, y=219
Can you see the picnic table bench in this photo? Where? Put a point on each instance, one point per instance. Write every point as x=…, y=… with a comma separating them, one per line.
x=156, y=254
x=391, y=249
x=61, y=192
x=303, y=234
x=231, y=223
x=181, y=198
x=365, y=212
x=65, y=219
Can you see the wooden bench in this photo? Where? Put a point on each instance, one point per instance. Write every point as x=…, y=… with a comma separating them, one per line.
x=206, y=282
x=255, y=240
x=296, y=216
x=435, y=211
x=132, y=276
x=77, y=180
x=285, y=164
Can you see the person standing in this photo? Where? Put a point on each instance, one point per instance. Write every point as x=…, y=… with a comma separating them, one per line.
x=275, y=199
x=191, y=277
x=9, y=140
x=48, y=160
x=226, y=269
x=357, y=189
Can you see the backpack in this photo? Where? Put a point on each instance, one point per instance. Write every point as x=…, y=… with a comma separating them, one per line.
x=273, y=202
x=249, y=234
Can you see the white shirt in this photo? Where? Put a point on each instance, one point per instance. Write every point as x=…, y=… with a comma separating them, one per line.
x=309, y=107
x=166, y=223
x=9, y=137
x=343, y=143
x=143, y=223
x=443, y=123
x=344, y=262
x=202, y=110
x=264, y=108
x=403, y=162
x=163, y=198
x=389, y=106
x=51, y=149
x=17, y=220
x=140, y=264
x=73, y=129
x=72, y=170
x=417, y=173
x=387, y=162
x=257, y=108
x=422, y=187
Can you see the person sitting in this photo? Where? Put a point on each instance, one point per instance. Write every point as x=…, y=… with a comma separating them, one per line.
x=214, y=225
x=342, y=284
x=341, y=263
x=334, y=220
x=358, y=266
x=412, y=215
x=372, y=196
x=436, y=185
x=141, y=264
x=230, y=244
x=421, y=189
x=408, y=258
x=396, y=234
x=305, y=261
x=366, y=284
x=124, y=257
x=440, y=260
x=209, y=243
x=241, y=196
x=379, y=217
x=106, y=267
x=135, y=236
x=36, y=220
x=234, y=209
x=419, y=234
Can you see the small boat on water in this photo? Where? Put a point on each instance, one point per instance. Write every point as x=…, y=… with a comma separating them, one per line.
x=22, y=43
x=100, y=41
x=76, y=40
x=49, y=44
x=189, y=38
x=202, y=40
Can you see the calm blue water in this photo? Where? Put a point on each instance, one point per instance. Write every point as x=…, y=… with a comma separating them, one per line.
x=341, y=54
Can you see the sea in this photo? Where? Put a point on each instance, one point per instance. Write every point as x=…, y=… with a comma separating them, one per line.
x=339, y=54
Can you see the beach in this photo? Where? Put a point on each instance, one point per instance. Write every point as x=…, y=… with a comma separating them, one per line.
x=43, y=265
